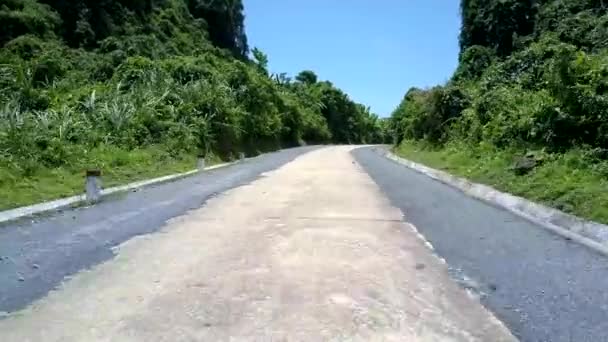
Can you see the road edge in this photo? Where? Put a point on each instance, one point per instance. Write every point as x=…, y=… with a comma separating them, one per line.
x=591, y=234
x=34, y=209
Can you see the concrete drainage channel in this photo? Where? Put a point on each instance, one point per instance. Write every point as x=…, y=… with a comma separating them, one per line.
x=588, y=233
x=93, y=191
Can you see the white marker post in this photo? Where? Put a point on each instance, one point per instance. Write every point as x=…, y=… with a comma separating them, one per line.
x=200, y=163
x=93, y=186
x=241, y=156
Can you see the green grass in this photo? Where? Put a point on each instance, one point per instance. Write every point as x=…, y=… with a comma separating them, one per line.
x=118, y=167
x=570, y=182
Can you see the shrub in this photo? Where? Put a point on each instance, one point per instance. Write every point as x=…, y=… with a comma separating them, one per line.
x=25, y=47
x=580, y=82
x=49, y=67
x=26, y=17
x=513, y=116
x=473, y=61
x=429, y=114
x=136, y=70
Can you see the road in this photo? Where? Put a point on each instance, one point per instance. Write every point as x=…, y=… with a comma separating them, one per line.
x=310, y=251
x=308, y=244
x=37, y=254
x=543, y=287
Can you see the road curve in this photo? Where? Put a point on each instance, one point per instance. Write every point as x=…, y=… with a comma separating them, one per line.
x=543, y=287
x=311, y=251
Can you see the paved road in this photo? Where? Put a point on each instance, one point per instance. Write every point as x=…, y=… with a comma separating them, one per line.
x=543, y=287
x=37, y=254
x=312, y=251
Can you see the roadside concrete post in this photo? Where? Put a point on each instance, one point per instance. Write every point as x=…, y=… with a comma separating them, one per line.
x=93, y=186
x=241, y=156
x=200, y=163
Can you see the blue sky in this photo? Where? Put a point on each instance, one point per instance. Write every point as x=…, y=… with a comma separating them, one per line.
x=374, y=50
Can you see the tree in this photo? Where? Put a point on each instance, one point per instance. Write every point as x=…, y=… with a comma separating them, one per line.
x=473, y=62
x=307, y=76
x=281, y=79
x=261, y=60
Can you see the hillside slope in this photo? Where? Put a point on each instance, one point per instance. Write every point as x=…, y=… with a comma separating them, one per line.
x=527, y=108
x=139, y=88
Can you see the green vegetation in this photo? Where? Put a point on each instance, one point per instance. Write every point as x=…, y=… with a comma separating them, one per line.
x=566, y=181
x=139, y=88
x=527, y=108
x=122, y=167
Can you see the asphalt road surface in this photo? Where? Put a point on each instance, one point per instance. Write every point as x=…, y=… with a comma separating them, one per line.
x=307, y=244
x=37, y=254
x=311, y=251
x=543, y=287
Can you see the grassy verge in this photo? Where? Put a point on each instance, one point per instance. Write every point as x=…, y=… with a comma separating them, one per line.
x=572, y=182
x=21, y=187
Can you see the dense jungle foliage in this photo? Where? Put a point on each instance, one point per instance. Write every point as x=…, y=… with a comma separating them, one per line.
x=532, y=80
x=120, y=84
